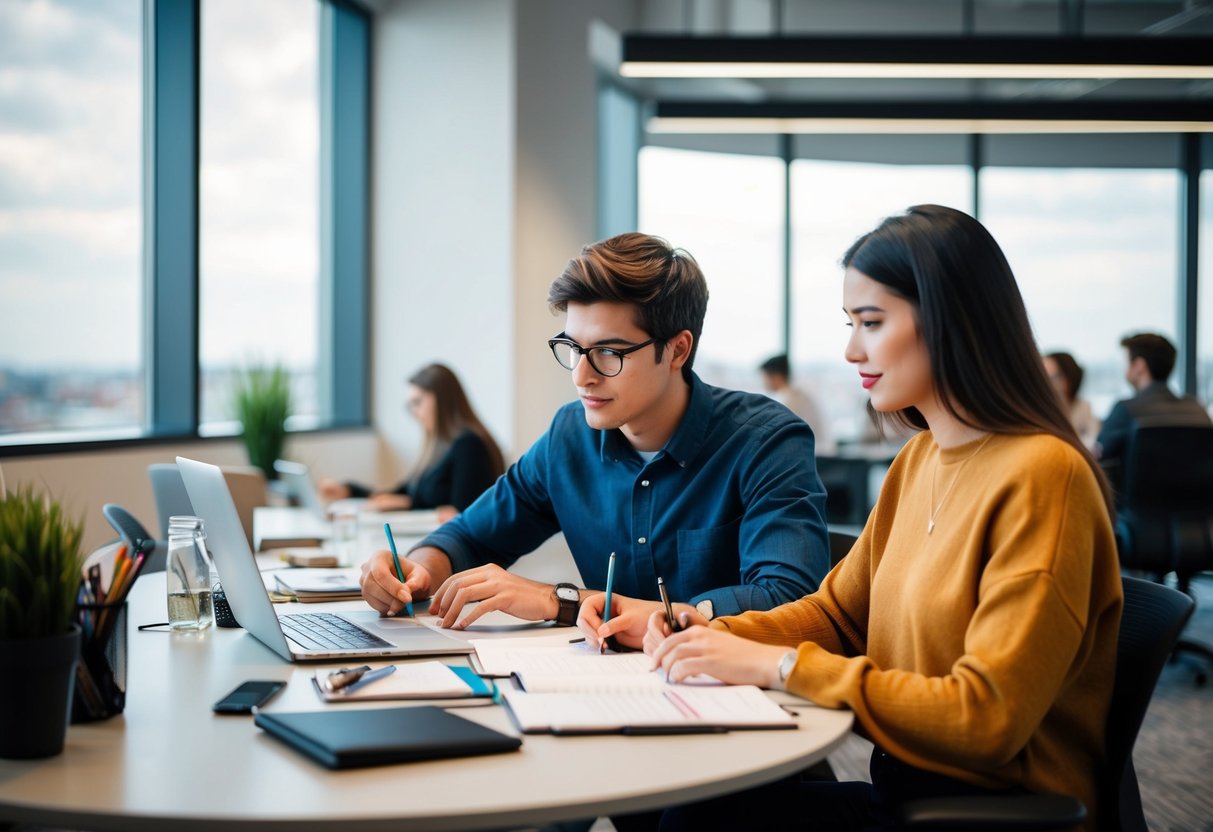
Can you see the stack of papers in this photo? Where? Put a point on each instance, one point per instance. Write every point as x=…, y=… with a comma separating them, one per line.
x=312, y=585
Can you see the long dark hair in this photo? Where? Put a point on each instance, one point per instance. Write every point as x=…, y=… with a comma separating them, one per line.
x=453, y=416
x=984, y=360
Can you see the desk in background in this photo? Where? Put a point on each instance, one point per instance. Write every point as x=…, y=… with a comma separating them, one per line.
x=852, y=478
x=168, y=762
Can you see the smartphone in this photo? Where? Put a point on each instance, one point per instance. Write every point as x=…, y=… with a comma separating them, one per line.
x=248, y=696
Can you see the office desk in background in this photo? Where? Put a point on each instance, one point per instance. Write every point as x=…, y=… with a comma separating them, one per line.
x=852, y=478
x=168, y=762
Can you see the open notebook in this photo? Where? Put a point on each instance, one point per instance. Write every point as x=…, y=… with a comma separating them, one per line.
x=569, y=688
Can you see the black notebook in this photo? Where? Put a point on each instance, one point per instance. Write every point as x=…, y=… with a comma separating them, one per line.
x=348, y=739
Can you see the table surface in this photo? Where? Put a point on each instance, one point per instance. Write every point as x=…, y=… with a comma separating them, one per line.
x=169, y=759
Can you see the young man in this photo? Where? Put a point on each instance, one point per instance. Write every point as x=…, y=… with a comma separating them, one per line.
x=1151, y=358
x=714, y=491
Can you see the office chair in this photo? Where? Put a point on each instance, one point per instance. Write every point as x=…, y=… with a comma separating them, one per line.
x=1164, y=519
x=248, y=487
x=136, y=537
x=840, y=545
x=169, y=491
x=1149, y=628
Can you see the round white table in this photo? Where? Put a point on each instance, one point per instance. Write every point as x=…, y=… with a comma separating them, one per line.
x=168, y=762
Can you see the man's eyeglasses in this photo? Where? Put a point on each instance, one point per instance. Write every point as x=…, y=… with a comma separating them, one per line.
x=606, y=361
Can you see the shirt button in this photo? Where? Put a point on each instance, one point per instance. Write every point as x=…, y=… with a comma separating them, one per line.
x=644, y=483
x=641, y=539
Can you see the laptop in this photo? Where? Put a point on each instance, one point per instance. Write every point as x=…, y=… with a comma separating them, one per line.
x=301, y=488
x=359, y=634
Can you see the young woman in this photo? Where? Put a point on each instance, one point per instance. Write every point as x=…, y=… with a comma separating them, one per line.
x=458, y=461
x=973, y=627
x=1065, y=374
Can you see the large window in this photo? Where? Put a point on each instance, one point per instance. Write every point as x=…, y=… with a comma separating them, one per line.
x=184, y=193
x=1204, y=367
x=259, y=197
x=1095, y=255
x=71, y=288
x=727, y=211
x=833, y=203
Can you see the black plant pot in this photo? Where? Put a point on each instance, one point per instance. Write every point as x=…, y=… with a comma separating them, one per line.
x=36, y=696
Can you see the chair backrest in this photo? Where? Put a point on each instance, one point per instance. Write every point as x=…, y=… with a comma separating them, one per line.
x=1164, y=517
x=1150, y=625
x=136, y=536
x=1169, y=467
x=248, y=488
x=169, y=491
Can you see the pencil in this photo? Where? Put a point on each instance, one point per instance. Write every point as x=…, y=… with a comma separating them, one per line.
x=391, y=542
x=606, y=610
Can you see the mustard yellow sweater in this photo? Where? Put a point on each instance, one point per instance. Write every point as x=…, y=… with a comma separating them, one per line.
x=985, y=650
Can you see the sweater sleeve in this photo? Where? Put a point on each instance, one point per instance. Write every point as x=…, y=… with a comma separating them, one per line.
x=471, y=470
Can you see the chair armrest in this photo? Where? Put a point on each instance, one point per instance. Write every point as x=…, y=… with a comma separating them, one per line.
x=995, y=812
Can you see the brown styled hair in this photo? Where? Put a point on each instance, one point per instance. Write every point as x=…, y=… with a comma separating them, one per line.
x=1158, y=352
x=972, y=319
x=453, y=416
x=663, y=283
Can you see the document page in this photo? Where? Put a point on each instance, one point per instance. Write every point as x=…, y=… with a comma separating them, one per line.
x=552, y=657
x=676, y=707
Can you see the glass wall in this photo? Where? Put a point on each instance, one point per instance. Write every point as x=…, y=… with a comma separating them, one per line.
x=1095, y=253
x=727, y=211
x=1204, y=368
x=71, y=287
x=259, y=197
x=833, y=203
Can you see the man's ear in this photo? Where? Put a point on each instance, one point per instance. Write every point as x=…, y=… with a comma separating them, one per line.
x=680, y=349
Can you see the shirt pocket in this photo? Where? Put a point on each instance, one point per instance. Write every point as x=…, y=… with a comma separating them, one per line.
x=717, y=539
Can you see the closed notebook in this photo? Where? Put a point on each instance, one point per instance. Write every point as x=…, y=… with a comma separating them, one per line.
x=349, y=739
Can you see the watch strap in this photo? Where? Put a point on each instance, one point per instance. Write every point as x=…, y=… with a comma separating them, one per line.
x=566, y=614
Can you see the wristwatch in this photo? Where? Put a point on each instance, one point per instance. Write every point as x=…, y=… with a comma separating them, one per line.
x=568, y=596
x=785, y=668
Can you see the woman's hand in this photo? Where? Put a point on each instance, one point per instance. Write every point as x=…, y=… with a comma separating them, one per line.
x=658, y=629
x=629, y=619
x=387, y=501
x=331, y=489
x=729, y=658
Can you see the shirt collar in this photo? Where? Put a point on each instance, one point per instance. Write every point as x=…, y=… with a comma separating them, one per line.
x=688, y=438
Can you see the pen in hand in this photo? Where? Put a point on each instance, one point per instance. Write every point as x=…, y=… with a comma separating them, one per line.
x=675, y=627
x=391, y=542
x=606, y=610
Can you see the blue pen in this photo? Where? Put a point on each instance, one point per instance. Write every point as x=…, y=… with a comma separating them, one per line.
x=391, y=541
x=606, y=610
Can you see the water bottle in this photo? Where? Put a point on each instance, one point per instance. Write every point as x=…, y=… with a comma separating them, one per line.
x=188, y=575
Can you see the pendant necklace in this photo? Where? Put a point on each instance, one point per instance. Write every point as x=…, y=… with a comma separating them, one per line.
x=944, y=498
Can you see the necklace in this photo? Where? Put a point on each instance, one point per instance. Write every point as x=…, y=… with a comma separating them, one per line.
x=944, y=498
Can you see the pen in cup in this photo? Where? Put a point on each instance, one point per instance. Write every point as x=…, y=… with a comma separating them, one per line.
x=669, y=610
x=391, y=542
x=606, y=609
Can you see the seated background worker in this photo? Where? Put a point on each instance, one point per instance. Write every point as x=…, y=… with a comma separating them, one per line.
x=713, y=490
x=777, y=379
x=1151, y=358
x=459, y=459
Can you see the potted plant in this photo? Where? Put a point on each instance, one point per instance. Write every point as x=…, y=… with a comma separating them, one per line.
x=40, y=561
x=263, y=401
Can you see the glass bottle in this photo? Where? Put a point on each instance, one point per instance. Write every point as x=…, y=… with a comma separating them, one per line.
x=188, y=575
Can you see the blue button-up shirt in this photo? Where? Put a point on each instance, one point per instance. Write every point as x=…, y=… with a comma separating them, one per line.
x=730, y=510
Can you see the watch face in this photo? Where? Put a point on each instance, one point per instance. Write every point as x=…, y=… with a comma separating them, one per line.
x=567, y=593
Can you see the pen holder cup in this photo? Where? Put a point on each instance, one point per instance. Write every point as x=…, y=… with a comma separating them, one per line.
x=100, y=690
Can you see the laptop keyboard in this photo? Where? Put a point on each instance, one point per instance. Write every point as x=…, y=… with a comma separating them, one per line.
x=325, y=631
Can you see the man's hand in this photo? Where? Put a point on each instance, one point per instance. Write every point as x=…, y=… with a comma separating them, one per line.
x=629, y=619
x=382, y=590
x=494, y=589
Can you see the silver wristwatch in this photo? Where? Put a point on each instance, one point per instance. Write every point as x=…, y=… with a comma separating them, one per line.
x=785, y=668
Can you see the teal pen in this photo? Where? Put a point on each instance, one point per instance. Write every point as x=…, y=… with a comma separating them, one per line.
x=606, y=610
x=391, y=541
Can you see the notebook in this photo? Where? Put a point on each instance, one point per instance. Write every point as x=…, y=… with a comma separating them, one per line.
x=348, y=739
x=294, y=636
x=414, y=680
